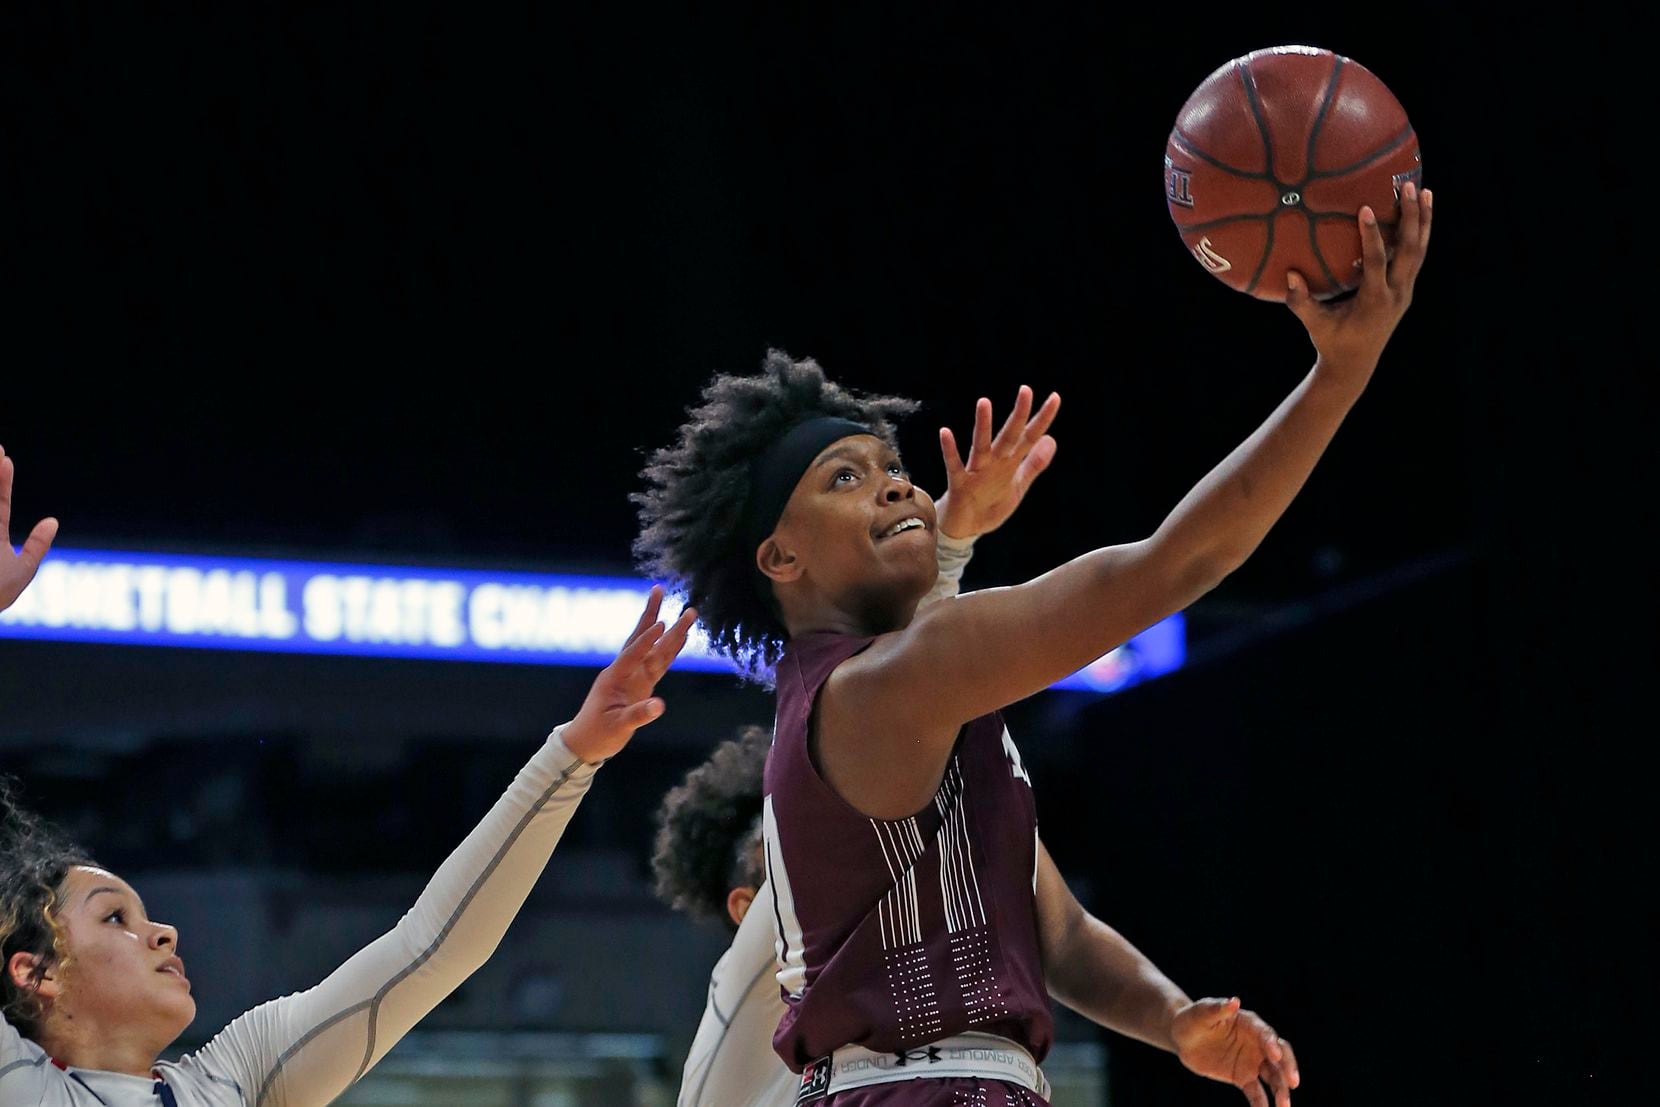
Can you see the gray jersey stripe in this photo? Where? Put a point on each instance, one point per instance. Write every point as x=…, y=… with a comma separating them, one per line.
x=25, y=1064
x=726, y=1028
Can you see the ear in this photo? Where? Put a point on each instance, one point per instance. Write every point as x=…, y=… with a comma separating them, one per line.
x=738, y=901
x=777, y=562
x=21, y=971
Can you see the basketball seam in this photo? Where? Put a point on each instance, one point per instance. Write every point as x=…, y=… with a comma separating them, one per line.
x=1394, y=144
x=1314, y=248
x=1320, y=116
x=1180, y=137
x=1267, y=252
x=1249, y=83
x=1209, y=224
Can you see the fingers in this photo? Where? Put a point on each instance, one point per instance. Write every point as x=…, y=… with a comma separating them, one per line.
x=634, y=653
x=1040, y=423
x=981, y=445
x=638, y=715
x=1288, y=1064
x=1253, y=1092
x=667, y=647
x=1009, y=436
x=1212, y=1013
x=1036, y=462
x=675, y=640
x=1020, y=434
x=1412, y=237
x=1374, y=275
x=38, y=542
x=952, y=456
x=1297, y=298
x=6, y=471
x=654, y=604
x=1275, y=1079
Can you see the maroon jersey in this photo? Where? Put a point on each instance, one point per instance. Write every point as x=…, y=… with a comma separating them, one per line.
x=896, y=933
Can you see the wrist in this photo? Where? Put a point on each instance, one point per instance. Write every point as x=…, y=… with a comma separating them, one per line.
x=1174, y=1004
x=1350, y=371
x=573, y=747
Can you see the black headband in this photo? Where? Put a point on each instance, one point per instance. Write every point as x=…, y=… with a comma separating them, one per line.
x=774, y=473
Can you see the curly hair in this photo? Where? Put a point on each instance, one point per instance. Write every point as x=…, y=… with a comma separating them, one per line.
x=707, y=828
x=691, y=510
x=34, y=860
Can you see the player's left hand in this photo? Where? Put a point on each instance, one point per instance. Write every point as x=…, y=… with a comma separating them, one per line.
x=621, y=701
x=18, y=569
x=983, y=492
x=1215, y=1038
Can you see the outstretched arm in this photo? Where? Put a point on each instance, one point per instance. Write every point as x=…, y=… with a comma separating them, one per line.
x=1092, y=969
x=305, y=1049
x=18, y=569
x=1027, y=637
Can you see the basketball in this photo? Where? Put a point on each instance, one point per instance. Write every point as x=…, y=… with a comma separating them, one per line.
x=1272, y=157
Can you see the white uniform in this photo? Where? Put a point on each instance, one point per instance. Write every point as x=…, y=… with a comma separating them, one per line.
x=732, y=1063
x=303, y=1050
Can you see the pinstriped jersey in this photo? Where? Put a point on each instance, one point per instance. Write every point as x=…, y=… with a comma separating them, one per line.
x=895, y=933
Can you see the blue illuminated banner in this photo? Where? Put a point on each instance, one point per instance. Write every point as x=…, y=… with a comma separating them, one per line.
x=320, y=607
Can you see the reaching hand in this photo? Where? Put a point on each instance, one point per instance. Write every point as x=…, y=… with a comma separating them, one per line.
x=1352, y=332
x=18, y=569
x=981, y=494
x=620, y=702
x=1215, y=1038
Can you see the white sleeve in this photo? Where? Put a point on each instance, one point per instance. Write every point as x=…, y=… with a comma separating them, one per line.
x=731, y=1062
x=953, y=554
x=22, y=1067
x=304, y=1049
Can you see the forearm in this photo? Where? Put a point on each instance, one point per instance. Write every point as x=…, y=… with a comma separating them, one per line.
x=305, y=1049
x=1107, y=980
x=1225, y=517
x=1031, y=635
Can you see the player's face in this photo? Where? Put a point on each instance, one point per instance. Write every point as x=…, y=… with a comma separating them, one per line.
x=123, y=968
x=864, y=534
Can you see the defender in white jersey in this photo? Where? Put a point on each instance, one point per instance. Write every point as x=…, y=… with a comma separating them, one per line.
x=93, y=990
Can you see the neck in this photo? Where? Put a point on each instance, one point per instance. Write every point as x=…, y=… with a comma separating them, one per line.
x=812, y=614
x=125, y=1049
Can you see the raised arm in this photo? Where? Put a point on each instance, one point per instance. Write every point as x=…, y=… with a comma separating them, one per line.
x=18, y=569
x=1091, y=968
x=986, y=650
x=305, y=1049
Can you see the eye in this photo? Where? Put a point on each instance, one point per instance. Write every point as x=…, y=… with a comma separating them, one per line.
x=843, y=475
x=117, y=916
x=896, y=469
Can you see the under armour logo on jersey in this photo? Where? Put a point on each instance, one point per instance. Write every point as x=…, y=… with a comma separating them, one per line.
x=815, y=1081
x=906, y=1056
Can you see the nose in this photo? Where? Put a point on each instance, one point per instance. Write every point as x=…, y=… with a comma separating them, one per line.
x=897, y=489
x=163, y=936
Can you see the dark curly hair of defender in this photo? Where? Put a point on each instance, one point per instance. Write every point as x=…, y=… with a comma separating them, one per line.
x=34, y=860
x=691, y=511
x=705, y=828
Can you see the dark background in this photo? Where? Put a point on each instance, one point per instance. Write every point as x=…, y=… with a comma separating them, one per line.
x=415, y=283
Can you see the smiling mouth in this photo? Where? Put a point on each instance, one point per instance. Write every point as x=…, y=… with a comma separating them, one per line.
x=904, y=526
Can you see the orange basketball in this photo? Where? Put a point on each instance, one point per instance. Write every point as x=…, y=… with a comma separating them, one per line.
x=1272, y=157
